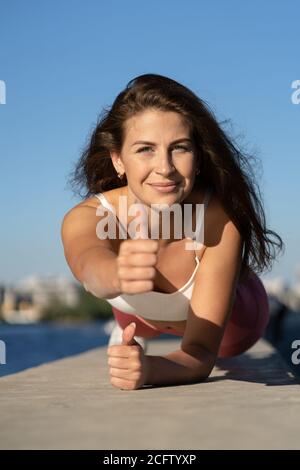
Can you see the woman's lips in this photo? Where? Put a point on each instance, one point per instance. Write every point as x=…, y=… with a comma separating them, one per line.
x=164, y=188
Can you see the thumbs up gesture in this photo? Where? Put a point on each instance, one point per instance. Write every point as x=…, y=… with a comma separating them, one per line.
x=127, y=362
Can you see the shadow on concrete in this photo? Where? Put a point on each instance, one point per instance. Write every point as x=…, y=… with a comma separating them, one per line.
x=269, y=370
x=248, y=368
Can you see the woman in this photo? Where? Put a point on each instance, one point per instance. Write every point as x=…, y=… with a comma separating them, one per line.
x=160, y=144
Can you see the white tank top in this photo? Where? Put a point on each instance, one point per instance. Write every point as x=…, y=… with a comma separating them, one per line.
x=157, y=305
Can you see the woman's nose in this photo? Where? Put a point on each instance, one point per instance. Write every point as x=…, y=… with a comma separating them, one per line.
x=165, y=166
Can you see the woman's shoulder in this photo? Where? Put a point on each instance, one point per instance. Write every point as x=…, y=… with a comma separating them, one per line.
x=93, y=201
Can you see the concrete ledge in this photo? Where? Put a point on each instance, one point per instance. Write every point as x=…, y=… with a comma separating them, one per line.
x=251, y=401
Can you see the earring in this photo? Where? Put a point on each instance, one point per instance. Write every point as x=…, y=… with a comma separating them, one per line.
x=198, y=171
x=121, y=176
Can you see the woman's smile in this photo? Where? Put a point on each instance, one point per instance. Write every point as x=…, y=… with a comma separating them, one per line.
x=165, y=188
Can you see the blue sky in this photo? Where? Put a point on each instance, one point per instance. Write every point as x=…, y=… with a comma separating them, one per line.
x=62, y=61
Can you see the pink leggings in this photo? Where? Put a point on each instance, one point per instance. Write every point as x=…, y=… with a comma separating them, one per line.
x=247, y=323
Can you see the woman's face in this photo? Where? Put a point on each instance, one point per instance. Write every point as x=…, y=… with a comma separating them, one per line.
x=150, y=155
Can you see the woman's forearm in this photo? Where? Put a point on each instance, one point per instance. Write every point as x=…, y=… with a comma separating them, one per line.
x=178, y=367
x=98, y=273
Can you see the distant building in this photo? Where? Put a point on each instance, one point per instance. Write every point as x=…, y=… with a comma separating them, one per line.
x=24, y=302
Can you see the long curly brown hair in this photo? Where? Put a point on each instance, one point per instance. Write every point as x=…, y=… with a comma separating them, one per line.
x=223, y=165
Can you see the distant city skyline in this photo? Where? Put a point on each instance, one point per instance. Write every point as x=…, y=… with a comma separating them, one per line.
x=61, y=66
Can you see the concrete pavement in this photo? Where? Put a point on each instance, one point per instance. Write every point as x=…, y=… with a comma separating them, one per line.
x=251, y=401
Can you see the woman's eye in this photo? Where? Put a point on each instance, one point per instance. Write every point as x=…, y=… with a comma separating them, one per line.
x=181, y=147
x=143, y=149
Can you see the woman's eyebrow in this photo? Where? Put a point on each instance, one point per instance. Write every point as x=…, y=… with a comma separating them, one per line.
x=183, y=139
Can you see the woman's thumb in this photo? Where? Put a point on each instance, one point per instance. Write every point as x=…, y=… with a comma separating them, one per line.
x=128, y=334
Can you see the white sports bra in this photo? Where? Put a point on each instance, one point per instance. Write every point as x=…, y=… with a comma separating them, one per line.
x=157, y=305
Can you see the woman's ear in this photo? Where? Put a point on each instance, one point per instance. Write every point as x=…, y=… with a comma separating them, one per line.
x=117, y=162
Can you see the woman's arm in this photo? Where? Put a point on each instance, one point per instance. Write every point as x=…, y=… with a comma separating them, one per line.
x=179, y=367
x=91, y=259
x=210, y=309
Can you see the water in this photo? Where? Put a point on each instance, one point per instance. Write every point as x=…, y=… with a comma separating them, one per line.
x=35, y=344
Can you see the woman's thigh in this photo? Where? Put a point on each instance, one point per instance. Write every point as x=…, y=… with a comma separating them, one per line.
x=249, y=318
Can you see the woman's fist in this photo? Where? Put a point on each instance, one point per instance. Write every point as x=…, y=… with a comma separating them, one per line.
x=136, y=265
